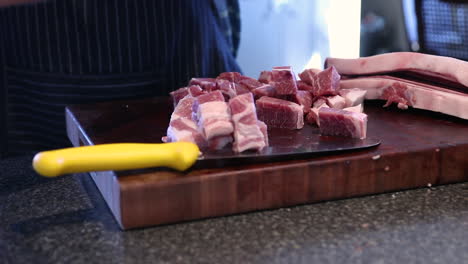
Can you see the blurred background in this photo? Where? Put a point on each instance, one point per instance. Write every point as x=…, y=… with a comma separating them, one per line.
x=302, y=33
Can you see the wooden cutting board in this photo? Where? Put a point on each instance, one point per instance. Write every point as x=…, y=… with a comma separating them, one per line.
x=418, y=148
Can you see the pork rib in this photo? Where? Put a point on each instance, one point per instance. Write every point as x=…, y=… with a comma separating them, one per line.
x=410, y=93
x=443, y=68
x=247, y=132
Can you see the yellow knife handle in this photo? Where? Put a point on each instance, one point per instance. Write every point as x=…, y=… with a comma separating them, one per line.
x=120, y=156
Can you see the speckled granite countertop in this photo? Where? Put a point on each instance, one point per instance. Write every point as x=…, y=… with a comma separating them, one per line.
x=65, y=220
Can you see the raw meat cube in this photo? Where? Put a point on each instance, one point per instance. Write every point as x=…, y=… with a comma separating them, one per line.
x=280, y=113
x=247, y=132
x=327, y=82
x=213, y=115
x=207, y=84
x=265, y=77
x=230, y=76
x=337, y=122
x=301, y=85
x=284, y=80
x=303, y=98
x=309, y=76
x=195, y=90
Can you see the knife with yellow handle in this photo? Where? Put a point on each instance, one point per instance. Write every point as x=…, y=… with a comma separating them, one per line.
x=118, y=156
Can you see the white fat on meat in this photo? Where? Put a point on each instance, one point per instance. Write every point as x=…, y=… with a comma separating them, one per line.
x=313, y=115
x=214, y=119
x=248, y=132
x=421, y=96
x=336, y=101
x=357, y=108
x=353, y=96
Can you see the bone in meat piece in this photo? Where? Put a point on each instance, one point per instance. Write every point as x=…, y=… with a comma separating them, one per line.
x=247, y=133
x=181, y=126
x=357, y=108
x=337, y=122
x=439, y=67
x=336, y=101
x=280, y=113
x=213, y=115
x=410, y=93
x=354, y=96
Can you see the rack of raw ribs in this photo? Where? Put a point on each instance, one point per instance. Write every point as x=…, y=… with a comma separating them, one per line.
x=236, y=111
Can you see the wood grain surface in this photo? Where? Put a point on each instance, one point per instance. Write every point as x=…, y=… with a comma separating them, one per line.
x=418, y=148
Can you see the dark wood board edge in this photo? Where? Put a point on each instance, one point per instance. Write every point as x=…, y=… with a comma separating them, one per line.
x=106, y=181
x=275, y=187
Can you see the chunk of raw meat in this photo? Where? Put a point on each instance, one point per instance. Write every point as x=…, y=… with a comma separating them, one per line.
x=309, y=76
x=354, y=96
x=184, y=129
x=301, y=85
x=337, y=122
x=178, y=94
x=227, y=88
x=230, y=76
x=357, y=108
x=250, y=83
x=284, y=80
x=181, y=126
x=264, y=90
x=207, y=84
x=312, y=116
x=303, y=98
x=183, y=108
x=265, y=77
x=441, y=69
x=336, y=101
x=280, y=113
x=247, y=132
x=327, y=82
x=195, y=90
x=410, y=93
x=213, y=115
